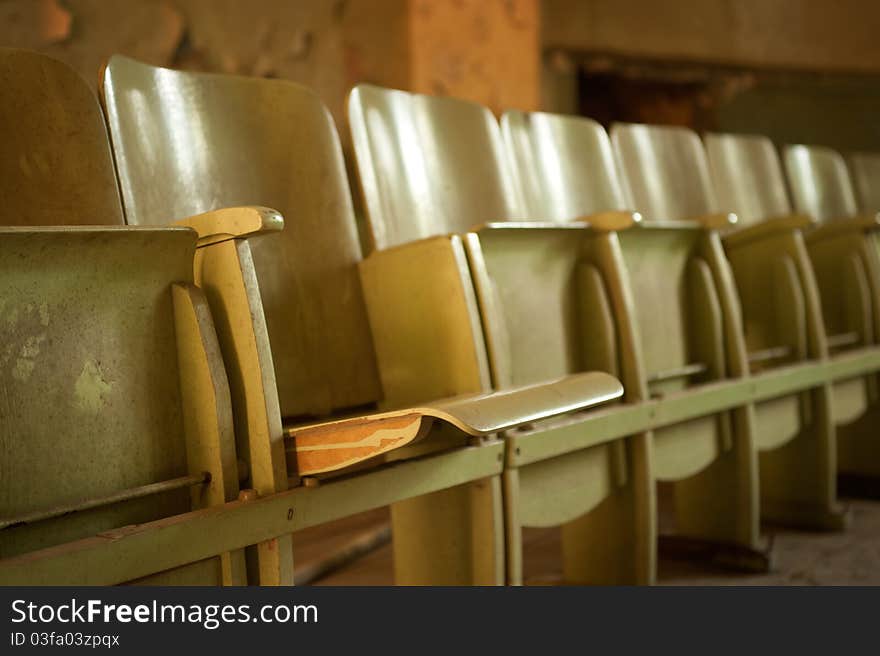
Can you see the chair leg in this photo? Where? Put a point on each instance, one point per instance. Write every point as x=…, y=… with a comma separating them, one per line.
x=716, y=511
x=513, y=557
x=451, y=537
x=270, y=563
x=798, y=480
x=614, y=544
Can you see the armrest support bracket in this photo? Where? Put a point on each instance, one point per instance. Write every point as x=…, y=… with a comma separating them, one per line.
x=233, y=223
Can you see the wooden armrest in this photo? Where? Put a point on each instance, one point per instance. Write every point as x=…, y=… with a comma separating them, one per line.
x=334, y=445
x=233, y=223
x=717, y=221
x=610, y=221
x=530, y=225
x=767, y=228
x=837, y=227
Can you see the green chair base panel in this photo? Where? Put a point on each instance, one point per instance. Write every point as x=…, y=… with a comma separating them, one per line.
x=858, y=446
x=804, y=498
x=607, y=547
x=450, y=537
x=602, y=496
x=850, y=400
x=719, y=503
x=778, y=422
x=722, y=555
x=687, y=448
x=798, y=478
x=608, y=531
x=858, y=456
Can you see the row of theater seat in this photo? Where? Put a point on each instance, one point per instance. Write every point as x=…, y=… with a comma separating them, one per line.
x=547, y=323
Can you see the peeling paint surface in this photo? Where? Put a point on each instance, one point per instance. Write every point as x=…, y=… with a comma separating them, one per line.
x=91, y=388
x=24, y=338
x=23, y=369
x=26, y=362
x=486, y=51
x=89, y=380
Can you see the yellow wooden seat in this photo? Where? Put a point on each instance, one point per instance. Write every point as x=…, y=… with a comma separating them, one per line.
x=844, y=250
x=780, y=316
x=116, y=407
x=186, y=143
x=441, y=203
x=677, y=311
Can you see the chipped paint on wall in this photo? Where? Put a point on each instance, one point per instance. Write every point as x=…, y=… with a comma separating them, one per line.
x=486, y=51
x=27, y=355
x=91, y=388
x=22, y=342
x=23, y=369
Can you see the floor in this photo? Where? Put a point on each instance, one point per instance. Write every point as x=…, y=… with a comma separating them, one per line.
x=800, y=558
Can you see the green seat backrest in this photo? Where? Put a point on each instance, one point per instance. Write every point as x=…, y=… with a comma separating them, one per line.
x=187, y=143
x=664, y=172
x=865, y=171
x=564, y=163
x=90, y=382
x=431, y=166
x=664, y=177
x=572, y=171
x=819, y=182
x=747, y=176
x=56, y=167
x=428, y=165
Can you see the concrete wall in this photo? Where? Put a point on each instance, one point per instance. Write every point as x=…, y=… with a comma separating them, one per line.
x=485, y=50
x=796, y=70
x=810, y=35
x=816, y=62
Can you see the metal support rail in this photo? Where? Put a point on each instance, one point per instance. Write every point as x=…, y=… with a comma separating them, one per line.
x=97, y=502
x=604, y=424
x=130, y=552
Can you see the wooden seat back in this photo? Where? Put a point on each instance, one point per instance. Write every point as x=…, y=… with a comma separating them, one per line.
x=56, y=168
x=747, y=176
x=664, y=173
x=864, y=169
x=431, y=166
x=428, y=165
x=819, y=182
x=187, y=143
x=110, y=380
x=572, y=173
x=565, y=164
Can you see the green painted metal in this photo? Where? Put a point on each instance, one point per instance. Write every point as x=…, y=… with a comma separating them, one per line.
x=610, y=423
x=136, y=551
